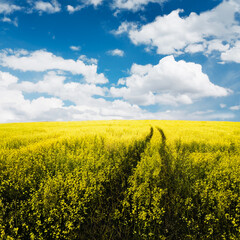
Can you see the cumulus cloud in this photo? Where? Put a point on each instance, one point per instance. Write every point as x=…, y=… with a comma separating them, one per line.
x=103, y=109
x=7, y=79
x=116, y=52
x=232, y=54
x=133, y=5
x=48, y=7
x=42, y=60
x=194, y=48
x=55, y=85
x=13, y=105
x=87, y=60
x=169, y=82
x=33, y=109
x=86, y=99
x=215, y=29
x=125, y=27
x=217, y=45
x=7, y=8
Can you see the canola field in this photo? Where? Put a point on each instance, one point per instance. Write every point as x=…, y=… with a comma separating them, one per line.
x=120, y=180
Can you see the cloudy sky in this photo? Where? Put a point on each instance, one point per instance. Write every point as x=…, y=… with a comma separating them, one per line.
x=64, y=60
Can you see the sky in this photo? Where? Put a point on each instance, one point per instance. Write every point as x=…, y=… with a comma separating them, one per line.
x=72, y=60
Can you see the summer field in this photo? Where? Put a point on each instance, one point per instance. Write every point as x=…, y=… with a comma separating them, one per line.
x=120, y=180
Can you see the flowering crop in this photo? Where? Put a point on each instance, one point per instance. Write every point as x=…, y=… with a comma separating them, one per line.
x=120, y=180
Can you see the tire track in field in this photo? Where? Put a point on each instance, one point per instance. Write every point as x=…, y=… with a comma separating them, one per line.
x=115, y=190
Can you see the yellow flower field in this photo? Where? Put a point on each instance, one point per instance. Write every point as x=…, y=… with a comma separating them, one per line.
x=120, y=179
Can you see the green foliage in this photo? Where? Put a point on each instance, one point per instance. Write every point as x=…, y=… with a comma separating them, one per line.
x=118, y=180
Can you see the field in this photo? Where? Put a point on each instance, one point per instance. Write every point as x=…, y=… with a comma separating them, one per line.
x=120, y=180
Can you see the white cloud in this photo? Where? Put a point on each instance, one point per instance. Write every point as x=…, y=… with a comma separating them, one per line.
x=15, y=108
x=133, y=5
x=87, y=60
x=222, y=105
x=217, y=45
x=103, y=109
x=54, y=84
x=235, y=108
x=209, y=116
x=169, y=82
x=42, y=60
x=72, y=9
x=9, y=20
x=48, y=7
x=6, y=79
x=75, y=48
x=233, y=54
x=116, y=52
x=199, y=116
x=95, y=3
x=173, y=34
x=7, y=8
x=38, y=106
x=125, y=27
x=13, y=105
x=194, y=48
x=85, y=3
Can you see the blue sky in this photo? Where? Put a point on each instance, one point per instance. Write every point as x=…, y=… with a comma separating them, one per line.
x=119, y=59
